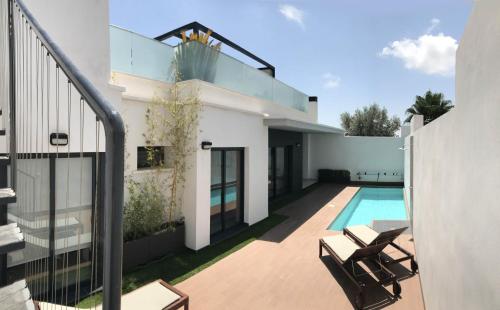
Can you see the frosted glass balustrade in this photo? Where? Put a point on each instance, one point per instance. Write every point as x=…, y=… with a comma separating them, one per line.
x=137, y=55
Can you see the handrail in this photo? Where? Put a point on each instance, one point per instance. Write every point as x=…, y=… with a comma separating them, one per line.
x=114, y=156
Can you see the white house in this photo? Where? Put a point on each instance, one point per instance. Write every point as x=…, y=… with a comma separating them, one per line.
x=265, y=137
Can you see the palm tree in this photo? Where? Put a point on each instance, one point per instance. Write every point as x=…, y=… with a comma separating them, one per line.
x=431, y=106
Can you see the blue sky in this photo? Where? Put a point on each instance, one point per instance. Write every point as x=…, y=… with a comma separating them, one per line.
x=349, y=53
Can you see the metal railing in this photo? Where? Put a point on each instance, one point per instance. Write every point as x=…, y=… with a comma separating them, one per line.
x=56, y=114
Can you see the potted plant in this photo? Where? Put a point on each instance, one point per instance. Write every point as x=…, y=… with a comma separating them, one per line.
x=146, y=235
x=196, y=57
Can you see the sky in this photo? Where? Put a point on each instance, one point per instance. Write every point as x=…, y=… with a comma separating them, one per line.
x=349, y=53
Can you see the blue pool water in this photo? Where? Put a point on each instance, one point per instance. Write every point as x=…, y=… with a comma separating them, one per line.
x=215, y=196
x=371, y=203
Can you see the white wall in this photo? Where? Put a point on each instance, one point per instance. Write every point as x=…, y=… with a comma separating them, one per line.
x=356, y=154
x=456, y=178
x=225, y=123
x=81, y=29
x=226, y=128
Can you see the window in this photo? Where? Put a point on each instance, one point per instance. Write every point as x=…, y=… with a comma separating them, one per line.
x=150, y=156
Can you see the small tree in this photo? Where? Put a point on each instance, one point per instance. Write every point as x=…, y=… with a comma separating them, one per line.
x=370, y=121
x=172, y=120
x=431, y=106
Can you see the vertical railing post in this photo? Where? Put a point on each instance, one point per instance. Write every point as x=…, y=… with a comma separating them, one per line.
x=12, y=133
x=12, y=98
x=113, y=213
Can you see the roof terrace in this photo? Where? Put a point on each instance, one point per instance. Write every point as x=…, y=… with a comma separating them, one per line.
x=138, y=55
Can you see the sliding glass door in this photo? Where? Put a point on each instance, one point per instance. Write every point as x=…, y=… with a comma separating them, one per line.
x=226, y=189
x=279, y=171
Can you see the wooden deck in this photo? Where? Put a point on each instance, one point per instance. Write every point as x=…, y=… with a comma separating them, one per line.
x=282, y=269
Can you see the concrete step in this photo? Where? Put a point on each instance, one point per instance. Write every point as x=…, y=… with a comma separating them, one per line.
x=16, y=296
x=11, y=238
x=7, y=195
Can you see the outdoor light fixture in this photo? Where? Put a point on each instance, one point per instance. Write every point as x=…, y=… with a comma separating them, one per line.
x=298, y=145
x=206, y=145
x=58, y=138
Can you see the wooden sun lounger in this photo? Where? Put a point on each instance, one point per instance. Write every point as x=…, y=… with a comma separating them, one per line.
x=345, y=253
x=155, y=295
x=365, y=236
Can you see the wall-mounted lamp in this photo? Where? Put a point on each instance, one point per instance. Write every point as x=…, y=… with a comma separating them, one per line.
x=59, y=138
x=298, y=145
x=206, y=145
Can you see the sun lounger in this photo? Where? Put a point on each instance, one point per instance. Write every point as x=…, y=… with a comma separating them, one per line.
x=155, y=295
x=365, y=236
x=346, y=254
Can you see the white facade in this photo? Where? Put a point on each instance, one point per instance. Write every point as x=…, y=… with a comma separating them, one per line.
x=228, y=118
x=456, y=164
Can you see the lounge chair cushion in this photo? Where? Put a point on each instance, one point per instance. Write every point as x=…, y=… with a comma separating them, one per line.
x=150, y=296
x=341, y=245
x=363, y=233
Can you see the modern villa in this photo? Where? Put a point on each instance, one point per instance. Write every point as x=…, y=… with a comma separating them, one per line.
x=263, y=139
x=412, y=216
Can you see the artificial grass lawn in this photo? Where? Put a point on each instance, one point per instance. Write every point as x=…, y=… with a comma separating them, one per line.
x=175, y=269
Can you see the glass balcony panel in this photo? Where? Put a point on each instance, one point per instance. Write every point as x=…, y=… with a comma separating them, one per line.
x=151, y=59
x=137, y=55
x=121, y=47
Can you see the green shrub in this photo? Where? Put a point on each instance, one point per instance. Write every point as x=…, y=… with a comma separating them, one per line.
x=144, y=210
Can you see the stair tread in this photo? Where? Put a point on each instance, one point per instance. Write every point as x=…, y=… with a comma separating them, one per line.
x=12, y=288
x=4, y=160
x=11, y=238
x=16, y=296
x=7, y=195
x=8, y=227
x=42, y=223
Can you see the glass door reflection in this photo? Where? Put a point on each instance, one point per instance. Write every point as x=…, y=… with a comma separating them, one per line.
x=226, y=190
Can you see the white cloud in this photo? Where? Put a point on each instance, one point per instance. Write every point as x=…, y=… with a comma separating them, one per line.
x=434, y=24
x=330, y=81
x=292, y=13
x=431, y=54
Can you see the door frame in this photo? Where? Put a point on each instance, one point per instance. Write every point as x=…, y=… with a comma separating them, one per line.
x=241, y=193
x=288, y=149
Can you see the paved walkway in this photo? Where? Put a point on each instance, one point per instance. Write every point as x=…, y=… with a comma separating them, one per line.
x=282, y=269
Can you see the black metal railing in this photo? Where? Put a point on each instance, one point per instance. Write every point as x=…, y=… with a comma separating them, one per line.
x=66, y=146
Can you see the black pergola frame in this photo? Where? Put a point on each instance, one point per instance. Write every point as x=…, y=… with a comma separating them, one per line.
x=197, y=27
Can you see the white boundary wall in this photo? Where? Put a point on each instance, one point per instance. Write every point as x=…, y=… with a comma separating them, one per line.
x=456, y=179
x=356, y=154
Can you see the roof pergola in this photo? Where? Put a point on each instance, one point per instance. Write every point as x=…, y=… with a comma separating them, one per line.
x=197, y=27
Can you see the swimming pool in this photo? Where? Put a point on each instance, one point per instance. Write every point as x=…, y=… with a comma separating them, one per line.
x=371, y=203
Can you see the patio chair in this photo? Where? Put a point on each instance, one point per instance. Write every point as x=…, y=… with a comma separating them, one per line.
x=156, y=295
x=346, y=254
x=365, y=236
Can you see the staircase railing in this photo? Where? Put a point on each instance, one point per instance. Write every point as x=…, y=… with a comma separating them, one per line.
x=56, y=113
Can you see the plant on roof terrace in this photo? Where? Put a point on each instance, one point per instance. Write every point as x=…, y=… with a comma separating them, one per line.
x=196, y=57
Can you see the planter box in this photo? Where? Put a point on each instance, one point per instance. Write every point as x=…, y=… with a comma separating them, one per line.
x=142, y=251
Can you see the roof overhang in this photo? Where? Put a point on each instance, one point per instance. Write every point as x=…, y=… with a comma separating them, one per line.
x=299, y=126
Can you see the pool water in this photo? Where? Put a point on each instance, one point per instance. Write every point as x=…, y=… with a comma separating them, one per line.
x=215, y=196
x=371, y=203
